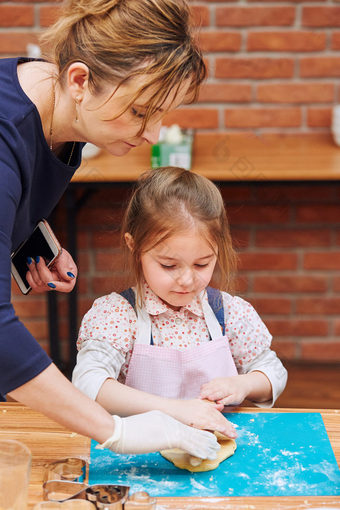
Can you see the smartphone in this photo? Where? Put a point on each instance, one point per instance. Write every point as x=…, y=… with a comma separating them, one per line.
x=41, y=243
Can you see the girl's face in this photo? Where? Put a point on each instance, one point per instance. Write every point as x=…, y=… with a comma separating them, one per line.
x=180, y=267
x=119, y=135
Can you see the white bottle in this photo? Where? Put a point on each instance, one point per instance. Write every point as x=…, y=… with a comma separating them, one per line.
x=336, y=124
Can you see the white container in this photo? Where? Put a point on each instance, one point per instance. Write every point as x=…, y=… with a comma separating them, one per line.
x=336, y=124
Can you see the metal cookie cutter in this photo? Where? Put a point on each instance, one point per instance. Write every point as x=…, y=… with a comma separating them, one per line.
x=65, y=480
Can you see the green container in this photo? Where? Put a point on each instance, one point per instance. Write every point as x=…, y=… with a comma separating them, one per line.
x=167, y=154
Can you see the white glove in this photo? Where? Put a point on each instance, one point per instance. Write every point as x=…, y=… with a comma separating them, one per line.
x=154, y=431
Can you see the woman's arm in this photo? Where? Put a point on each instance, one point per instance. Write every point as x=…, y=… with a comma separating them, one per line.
x=52, y=394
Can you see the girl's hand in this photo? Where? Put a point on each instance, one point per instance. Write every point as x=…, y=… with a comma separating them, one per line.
x=202, y=415
x=61, y=275
x=227, y=390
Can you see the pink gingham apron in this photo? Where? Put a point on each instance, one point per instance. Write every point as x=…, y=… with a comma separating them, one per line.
x=172, y=373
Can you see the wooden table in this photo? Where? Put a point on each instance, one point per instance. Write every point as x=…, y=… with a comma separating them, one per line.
x=48, y=441
x=233, y=157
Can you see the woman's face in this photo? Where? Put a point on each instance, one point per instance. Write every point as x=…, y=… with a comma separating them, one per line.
x=118, y=135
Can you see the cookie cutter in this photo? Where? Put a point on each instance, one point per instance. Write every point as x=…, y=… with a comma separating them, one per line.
x=66, y=479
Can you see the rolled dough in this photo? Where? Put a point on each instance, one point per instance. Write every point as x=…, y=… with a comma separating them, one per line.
x=184, y=460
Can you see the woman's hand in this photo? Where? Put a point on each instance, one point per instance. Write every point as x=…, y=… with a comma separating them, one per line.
x=61, y=275
x=201, y=415
x=227, y=390
x=154, y=431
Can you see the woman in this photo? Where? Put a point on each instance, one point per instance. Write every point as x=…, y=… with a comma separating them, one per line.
x=116, y=67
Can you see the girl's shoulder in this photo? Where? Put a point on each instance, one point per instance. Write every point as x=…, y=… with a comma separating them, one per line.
x=112, y=304
x=236, y=303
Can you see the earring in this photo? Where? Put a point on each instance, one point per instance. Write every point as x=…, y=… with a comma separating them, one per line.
x=77, y=101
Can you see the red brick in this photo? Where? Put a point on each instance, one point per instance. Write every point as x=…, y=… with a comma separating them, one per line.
x=319, y=117
x=15, y=291
x=225, y=93
x=109, y=261
x=257, y=68
x=16, y=16
x=291, y=238
x=286, y=41
x=83, y=261
x=241, y=238
x=99, y=216
x=257, y=214
x=39, y=329
x=320, y=351
x=335, y=44
x=82, y=284
x=336, y=284
x=289, y=284
x=201, y=15
x=284, y=349
x=241, y=284
x=49, y=15
x=15, y=43
x=337, y=327
x=254, y=16
x=105, y=285
x=193, y=118
x=239, y=193
x=328, y=260
x=106, y=239
x=282, y=192
x=262, y=117
x=316, y=213
x=82, y=240
x=263, y=261
x=325, y=16
x=220, y=41
x=311, y=67
x=31, y=308
x=293, y=327
x=84, y=305
x=113, y=196
x=296, y=93
x=271, y=306
x=318, y=306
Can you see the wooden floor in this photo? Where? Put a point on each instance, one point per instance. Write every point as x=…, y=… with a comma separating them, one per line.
x=311, y=386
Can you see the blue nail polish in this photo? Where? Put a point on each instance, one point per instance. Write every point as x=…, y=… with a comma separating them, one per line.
x=51, y=285
x=71, y=275
x=37, y=258
x=29, y=260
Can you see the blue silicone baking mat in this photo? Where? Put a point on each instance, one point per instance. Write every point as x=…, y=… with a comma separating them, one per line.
x=278, y=454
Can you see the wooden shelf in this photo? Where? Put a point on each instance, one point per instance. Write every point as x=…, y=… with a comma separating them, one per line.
x=232, y=157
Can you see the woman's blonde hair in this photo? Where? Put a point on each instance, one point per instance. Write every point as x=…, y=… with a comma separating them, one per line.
x=170, y=200
x=120, y=40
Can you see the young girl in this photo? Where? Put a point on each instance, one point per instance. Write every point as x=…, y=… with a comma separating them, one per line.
x=173, y=343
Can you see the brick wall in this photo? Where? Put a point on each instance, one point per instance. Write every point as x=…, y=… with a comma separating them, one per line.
x=273, y=66
x=288, y=240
